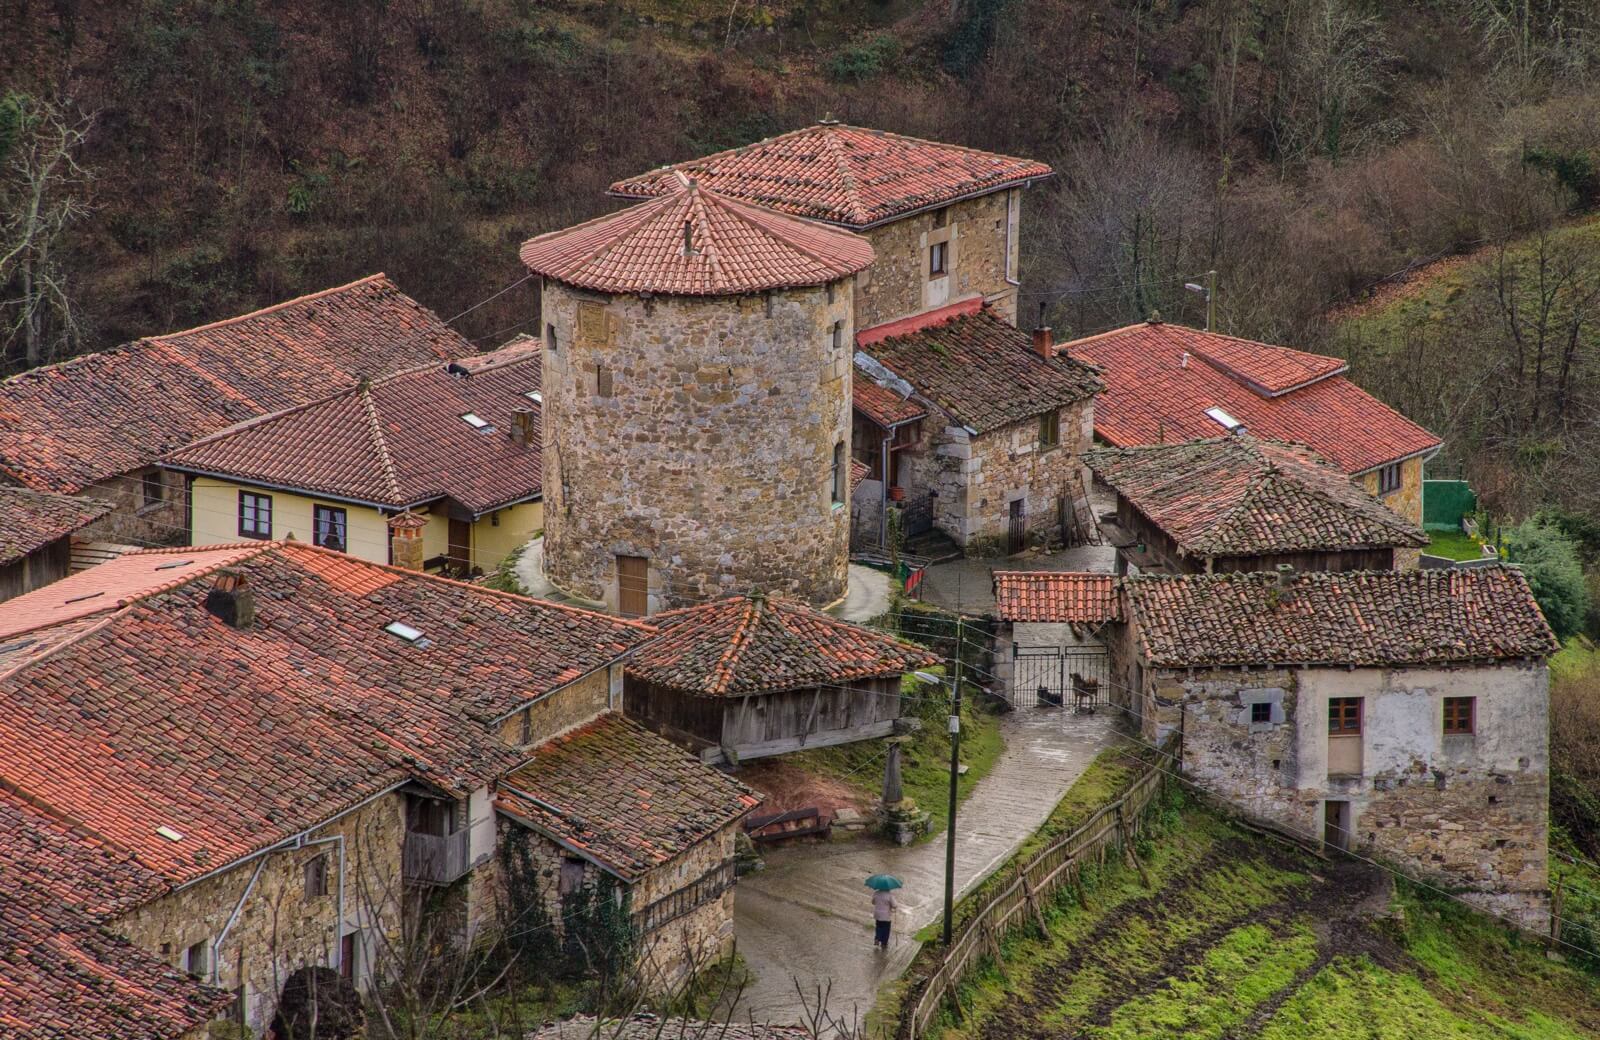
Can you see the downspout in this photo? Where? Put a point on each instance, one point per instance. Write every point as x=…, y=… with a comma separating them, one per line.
x=883, y=492
x=1013, y=204
x=233, y=918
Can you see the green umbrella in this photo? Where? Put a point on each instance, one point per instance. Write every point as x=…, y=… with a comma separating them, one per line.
x=884, y=882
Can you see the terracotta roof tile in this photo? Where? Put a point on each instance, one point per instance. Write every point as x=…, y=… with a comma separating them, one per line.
x=734, y=248
x=31, y=520
x=1239, y=496
x=1057, y=596
x=846, y=175
x=161, y=714
x=979, y=369
x=64, y=427
x=616, y=792
x=881, y=404
x=395, y=442
x=858, y=473
x=1360, y=618
x=1152, y=397
x=761, y=644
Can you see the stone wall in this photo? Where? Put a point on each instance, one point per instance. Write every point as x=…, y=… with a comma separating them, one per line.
x=1469, y=810
x=279, y=928
x=570, y=706
x=1405, y=500
x=974, y=479
x=133, y=522
x=981, y=236
x=699, y=434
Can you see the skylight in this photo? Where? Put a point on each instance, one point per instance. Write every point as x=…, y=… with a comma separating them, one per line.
x=474, y=420
x=168, y=833
x=403, y=630
x=535, y=396
x=1225, y=420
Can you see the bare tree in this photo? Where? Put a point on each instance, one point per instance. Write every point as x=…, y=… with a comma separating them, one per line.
x=43, y=191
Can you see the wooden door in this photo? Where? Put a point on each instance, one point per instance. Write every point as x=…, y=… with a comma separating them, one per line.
x=1017, y=532
x=1336, y=824
x=460, y=551
x=633, y=586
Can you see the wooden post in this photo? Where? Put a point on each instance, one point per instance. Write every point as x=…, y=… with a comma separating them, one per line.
x=994, y=951
x=1033, y=904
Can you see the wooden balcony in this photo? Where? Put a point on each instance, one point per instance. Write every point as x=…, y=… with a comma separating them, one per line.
x=435, y=859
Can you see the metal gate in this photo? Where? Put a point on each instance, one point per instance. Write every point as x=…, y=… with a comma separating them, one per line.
x=1074, y=677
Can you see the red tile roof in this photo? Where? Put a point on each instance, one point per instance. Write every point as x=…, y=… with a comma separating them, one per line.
x=616, y=793
x=978, y=368
x=1057, y=596
x=64, y=427
x=846, y=175
x=1238, y=496
x=163, y=715
x=395, y=442
x=882, y=405
x=734, y=248
x=1151, y=396
x=31, y=520
x=858, y=473
x=762, y=644
x=1360, y=618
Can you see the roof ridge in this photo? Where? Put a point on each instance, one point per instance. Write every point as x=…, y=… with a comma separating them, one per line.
x=281, y=305
x=379, y=441
x=698, y=209
x=744, y=212
x=852, y=189
x=742, y=637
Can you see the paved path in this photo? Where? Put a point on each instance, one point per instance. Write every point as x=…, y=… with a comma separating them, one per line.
x=808, y=917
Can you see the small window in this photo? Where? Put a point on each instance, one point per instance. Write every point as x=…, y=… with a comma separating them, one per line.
x=938, y=259
x=349, y=950
x=1344, y=716
x=1389, y=478
x=602, y=381
x=317, y=877
x=329, y=528
x=1460, y=715
x=833, y=291
x=1049, y=430
x=838, y=335
x=841, y=471
x=550, y=337
x=255, y=515
x=1260, y=713
x=941, y=217
x=155, y=489
x=196, y=958
x=571, y=878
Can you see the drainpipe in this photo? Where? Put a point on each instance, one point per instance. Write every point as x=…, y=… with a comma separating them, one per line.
x=883, y=491
x=233, y=918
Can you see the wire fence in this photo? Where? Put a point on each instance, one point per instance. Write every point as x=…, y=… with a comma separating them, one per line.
x=1111, y=829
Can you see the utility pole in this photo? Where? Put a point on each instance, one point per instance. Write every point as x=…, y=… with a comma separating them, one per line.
x=1211, y=300
x=955, y=775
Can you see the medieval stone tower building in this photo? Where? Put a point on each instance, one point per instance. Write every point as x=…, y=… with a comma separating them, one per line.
x=696, y=402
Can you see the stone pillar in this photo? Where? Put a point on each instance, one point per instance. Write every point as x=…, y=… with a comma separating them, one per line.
x=405, y=540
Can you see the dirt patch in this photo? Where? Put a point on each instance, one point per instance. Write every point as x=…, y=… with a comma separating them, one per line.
x=784, y=786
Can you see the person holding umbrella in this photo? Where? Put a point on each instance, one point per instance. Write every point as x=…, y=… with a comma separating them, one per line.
x=883, y=906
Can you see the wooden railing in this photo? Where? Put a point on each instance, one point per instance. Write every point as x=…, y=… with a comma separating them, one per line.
x=435, y=859
x=1113, y=826
x=697, y=893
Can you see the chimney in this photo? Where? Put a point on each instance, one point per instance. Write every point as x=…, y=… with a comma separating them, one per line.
x=688, y=238
x=1043, y=343
x=524, y=427
x=231, y=599
x=405, y=540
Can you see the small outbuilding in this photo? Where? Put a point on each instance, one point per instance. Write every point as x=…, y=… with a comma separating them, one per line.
x=751, y=676
x=36, y=531
x=1239, y=503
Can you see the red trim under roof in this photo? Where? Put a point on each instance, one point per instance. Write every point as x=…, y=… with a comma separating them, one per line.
x=918, y=322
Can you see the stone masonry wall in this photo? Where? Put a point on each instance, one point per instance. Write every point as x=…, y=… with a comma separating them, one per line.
x=572, y=705
x=975, y=479
x=982, y=257
x=279, y=929
x=133, y=522
x=699, y=434
x=1405, y=500
x=1469, y=810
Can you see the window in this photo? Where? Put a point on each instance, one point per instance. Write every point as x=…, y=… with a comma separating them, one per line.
x=938, y=259
x=550, y=337
x=1261, y=713
x=476, y=421
x=1460, y=715
x=317, y=877
x=602, y=381
x=1389, y=478
x=349, y=948
x=941, y=217
x=833, y=291
x=571, y=878
x=255, y=515
x=838, y=335
x=841, y=471
x=1224, y=420
x=328, y=527
x=155, y=490
x=1344, y=716
x=195, y=958
x=1049, y=430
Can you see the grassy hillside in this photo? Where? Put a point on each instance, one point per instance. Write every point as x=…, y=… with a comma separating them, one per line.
x=1239, y=937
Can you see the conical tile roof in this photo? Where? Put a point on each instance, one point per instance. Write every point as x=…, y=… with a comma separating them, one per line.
x=695, y=242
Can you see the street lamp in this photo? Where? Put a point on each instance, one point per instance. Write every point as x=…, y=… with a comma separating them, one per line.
x=1209, y=291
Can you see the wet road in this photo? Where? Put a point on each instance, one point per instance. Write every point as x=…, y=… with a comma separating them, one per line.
x=808, y=918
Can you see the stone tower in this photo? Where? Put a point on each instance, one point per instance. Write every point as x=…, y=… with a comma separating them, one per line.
x=696, y=412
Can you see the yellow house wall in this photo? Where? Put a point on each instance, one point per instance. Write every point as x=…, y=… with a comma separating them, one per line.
x=491, y=541
x=1405, y=500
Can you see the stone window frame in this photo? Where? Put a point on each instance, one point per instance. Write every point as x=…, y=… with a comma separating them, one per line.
x=197, y=957
x=1250, y=698
x=838, y=335
x=152, y=489
x=550, y=341
x=1049, y=430
x=570, y=875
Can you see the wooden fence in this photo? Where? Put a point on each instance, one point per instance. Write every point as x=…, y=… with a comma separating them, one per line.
x=1112, y=827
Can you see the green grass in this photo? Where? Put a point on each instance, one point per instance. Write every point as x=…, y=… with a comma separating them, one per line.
x=1453, y=545
x=1577, y=659
x=925, y=761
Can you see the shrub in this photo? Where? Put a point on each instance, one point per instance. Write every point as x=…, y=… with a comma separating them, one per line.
x=864, y=60
x=1550, y=560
